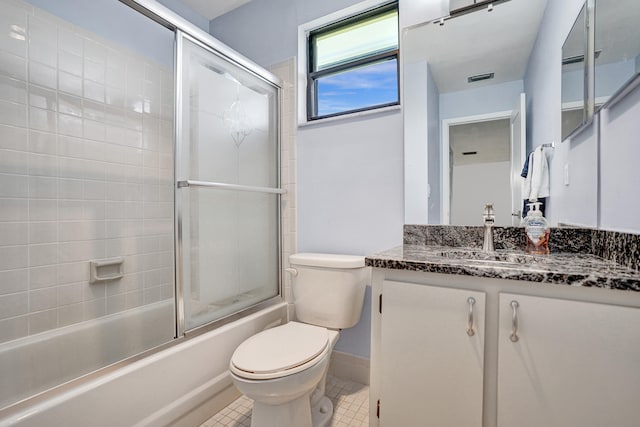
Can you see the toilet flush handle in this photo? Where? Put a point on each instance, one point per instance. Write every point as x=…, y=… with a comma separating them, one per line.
x=291, y=271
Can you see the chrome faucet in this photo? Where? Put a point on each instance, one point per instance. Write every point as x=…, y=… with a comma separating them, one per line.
x=489, y=218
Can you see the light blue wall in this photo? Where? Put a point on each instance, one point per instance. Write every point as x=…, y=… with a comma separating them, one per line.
x=619, y=154
x=609, y=77
x=484, y=100
x=350, y=171
x=350, y=198
x=433, y=138
x=575, y=203
x=573, y=86
x=187, y=13
x=118, y=23
x=266, y=30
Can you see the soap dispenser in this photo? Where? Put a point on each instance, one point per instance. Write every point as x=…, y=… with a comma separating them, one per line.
x=537, y=230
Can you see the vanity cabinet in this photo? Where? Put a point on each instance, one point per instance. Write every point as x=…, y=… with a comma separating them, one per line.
x=573, y=363
x=432, y=363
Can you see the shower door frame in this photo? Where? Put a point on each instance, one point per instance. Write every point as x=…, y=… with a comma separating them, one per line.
x=184, y=29
x=185, y=182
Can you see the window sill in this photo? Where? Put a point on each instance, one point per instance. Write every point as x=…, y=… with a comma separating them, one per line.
x=329, y=120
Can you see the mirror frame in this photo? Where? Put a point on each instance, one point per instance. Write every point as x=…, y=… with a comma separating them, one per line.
x=589, y=69
x=590, y=74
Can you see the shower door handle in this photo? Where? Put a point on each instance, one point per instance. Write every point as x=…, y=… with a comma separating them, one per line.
x=225, y=186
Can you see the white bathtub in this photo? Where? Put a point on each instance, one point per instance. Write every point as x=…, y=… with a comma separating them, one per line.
x=181, y=385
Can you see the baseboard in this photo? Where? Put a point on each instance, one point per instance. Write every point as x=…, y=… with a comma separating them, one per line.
x=349, y=367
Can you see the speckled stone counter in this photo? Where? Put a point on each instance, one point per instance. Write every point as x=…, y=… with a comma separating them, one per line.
x=580, y=257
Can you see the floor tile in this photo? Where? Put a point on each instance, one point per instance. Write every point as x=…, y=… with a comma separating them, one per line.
x=350, y=407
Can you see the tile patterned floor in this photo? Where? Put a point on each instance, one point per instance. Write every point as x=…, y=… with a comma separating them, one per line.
x=350, y=403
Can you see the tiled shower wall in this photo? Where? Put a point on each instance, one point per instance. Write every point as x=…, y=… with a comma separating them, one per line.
x=286, y=71
x=86, y=172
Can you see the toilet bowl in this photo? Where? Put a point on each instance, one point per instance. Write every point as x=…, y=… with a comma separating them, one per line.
x=280, y=369
x=284, y=369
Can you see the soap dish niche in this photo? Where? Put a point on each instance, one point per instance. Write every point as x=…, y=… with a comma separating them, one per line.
x=106, y=269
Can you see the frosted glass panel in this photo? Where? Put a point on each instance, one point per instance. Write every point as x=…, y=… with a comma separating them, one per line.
x=233, y=252
x=86, y=174
x=230, y=238
x=231, y=118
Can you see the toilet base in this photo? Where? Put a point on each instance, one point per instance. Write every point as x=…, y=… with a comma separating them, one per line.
x=294, y=413
x=322, y=412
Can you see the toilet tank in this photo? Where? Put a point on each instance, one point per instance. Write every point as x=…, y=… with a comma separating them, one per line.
x=328, y=290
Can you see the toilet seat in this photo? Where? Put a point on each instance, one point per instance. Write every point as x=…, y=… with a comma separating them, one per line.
x=280, y=351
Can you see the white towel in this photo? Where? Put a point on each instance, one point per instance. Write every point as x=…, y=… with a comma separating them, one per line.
x=536, y=184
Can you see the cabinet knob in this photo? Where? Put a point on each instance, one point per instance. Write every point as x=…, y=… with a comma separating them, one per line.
x=514, y=321
x=471, y=301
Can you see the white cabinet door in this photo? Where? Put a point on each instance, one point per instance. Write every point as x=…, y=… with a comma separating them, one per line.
x=574, y=364
x=431, y=368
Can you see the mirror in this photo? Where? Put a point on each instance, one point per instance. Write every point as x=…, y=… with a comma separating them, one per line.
x=617, y=48
x=574, y=89
x=463, y=94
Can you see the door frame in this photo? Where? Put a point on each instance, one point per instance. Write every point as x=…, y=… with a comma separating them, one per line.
x=445, y=194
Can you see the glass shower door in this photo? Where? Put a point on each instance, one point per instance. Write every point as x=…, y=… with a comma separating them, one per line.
x=228, y=187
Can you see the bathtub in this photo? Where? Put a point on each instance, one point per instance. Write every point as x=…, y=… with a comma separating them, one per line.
x=181, y=385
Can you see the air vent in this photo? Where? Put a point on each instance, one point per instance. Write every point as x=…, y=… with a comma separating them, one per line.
x=578, y=58
x=469, y=153
x=479, y=77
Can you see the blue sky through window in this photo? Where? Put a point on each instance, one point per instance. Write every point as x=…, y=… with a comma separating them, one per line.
x=368, y=86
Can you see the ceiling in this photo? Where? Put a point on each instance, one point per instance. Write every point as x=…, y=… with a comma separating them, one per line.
x=211, y=9
x=498, y=42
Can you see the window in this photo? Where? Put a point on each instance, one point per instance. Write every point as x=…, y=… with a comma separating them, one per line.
x=353, y=64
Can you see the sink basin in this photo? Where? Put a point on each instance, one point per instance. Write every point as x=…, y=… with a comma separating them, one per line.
x=504, y=257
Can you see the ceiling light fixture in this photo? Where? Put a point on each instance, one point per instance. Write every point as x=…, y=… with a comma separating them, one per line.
x=478, y=5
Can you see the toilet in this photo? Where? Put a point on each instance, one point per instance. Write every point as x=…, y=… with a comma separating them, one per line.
x=284, y=369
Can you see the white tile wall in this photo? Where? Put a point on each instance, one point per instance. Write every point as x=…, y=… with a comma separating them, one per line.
x=286, y=71
x=86, y=172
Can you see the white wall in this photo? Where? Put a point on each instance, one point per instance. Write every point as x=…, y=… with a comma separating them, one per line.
x=484, y=100
x=575, y=203
x=476, y=184
x=620, y=174
x=421, y=145
x=350, y=197
x=609, y=77
x=416, y=136
x=434, y=147
x=349, y=171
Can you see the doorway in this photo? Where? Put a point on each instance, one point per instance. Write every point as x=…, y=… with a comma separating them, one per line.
x=482, y=157
x=479, y=171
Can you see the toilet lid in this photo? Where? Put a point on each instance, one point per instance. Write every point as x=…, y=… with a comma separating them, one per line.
x=280, y=349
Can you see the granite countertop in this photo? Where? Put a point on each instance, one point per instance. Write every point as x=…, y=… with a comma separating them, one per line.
x=574, y=269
